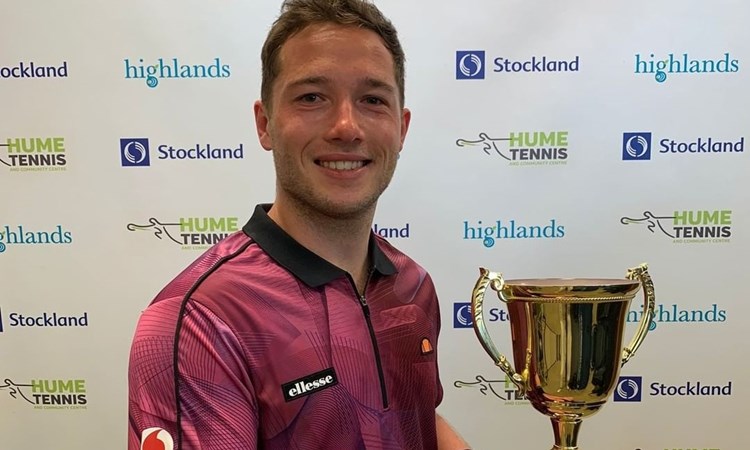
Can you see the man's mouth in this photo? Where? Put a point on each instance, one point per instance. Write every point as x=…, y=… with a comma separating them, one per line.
x=342, y=165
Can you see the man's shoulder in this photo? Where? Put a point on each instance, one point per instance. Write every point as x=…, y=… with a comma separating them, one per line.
x=397, y=256
x=211, y=263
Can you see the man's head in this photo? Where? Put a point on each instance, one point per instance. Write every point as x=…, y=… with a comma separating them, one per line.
x=296, y=15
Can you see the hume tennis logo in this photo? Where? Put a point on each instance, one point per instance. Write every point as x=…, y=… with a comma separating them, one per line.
x=174, y=69
x=190, y=233
x=523, y=148
x=686, y=227
x=34, y=154
x=47, y=394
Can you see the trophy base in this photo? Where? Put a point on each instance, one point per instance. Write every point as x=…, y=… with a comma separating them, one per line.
x=566, y=433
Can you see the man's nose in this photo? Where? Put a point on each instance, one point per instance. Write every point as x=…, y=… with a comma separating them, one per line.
x=346, y=126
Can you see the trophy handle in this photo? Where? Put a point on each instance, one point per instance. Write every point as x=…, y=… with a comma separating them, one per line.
x=495, y=280
x=640, y=273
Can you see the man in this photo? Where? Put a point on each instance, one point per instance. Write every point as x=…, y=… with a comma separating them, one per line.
x=305, y=330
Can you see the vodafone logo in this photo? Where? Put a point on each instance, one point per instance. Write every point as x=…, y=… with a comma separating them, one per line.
x=156, y=439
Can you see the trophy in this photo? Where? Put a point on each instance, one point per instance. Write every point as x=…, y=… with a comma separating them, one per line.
x=567, y=340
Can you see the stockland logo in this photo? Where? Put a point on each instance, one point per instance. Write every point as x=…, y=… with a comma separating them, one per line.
x=636, y=146
x=44, y=320
x=502, y=389
x=173, y=69
x=52, y=394
x=687, y=227
x=190, y=233
x=135, y=152
x=470, y=64
x=676, y=315
x=18, y=235
x=34, y=70
x=523, y=148
x=512, y=229
x=683, y=64
x=462, y=315
x=631, y=389
x=392, y=232
x=33, y=154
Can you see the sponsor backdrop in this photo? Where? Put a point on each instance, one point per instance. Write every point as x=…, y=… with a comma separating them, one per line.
x=548, y=139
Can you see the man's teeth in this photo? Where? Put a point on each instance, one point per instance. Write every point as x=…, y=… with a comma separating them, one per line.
x=342, y=165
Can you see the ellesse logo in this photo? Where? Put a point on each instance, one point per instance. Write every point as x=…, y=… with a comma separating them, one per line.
x=310, y=384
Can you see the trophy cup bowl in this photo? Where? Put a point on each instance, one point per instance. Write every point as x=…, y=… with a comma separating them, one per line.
x=567, y=340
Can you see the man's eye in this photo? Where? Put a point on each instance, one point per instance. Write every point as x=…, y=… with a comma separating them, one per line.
x=309, y=98
x=374, y=101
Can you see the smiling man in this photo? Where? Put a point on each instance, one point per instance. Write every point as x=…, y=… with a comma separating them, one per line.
x=305, y=330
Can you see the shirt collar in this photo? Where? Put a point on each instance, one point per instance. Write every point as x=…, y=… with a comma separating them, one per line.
x=293, y=256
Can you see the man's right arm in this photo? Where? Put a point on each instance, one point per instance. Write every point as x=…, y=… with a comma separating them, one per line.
x=209, y=404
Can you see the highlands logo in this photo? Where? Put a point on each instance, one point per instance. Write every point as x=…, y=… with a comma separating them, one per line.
x=462, y=315
x=17, y=235
x=683, y=64
x=502, y=389
x=48, y=394
x=674, y=314
x=173, y=69
x=686, y=227
x=190, y=233
x=470, y=65
x=35, y=154
x=34, y=70
x=135, y=152
x=512, y=229
x=636, y=146
x=524, y=148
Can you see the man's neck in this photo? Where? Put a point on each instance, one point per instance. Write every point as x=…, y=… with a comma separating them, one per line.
x=342, y=242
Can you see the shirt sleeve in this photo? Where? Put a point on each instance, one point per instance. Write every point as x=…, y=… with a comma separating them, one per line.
x=208, y=403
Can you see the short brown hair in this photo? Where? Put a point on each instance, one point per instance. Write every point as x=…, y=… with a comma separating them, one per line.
x=299, y=14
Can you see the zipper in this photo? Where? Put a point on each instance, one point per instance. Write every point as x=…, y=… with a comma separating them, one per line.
x=366, y=312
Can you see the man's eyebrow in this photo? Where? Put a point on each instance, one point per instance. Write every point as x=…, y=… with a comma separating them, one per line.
x=322, y=80
x=315, y=80
x=379, y=84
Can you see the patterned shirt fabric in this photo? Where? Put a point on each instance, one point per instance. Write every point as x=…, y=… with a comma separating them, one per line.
x=275, y=349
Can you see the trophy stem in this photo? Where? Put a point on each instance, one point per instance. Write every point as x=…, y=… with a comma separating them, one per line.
x=566, y=433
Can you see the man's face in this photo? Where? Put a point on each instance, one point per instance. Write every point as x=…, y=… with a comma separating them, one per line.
x=335, y=124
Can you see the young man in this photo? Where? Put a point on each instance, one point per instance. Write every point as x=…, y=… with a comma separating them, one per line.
x=304, y=330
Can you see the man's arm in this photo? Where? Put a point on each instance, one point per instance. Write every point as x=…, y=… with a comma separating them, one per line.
x=217, y=403
x=447, y=437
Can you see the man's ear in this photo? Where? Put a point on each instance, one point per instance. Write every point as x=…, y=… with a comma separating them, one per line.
x=262, y=120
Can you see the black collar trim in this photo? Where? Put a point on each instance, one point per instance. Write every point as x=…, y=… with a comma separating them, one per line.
x=293, y=256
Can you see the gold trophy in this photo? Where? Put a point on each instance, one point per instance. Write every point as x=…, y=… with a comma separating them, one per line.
x=567, y=340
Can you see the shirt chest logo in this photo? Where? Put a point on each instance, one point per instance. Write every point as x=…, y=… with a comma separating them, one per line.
x=309, y=384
